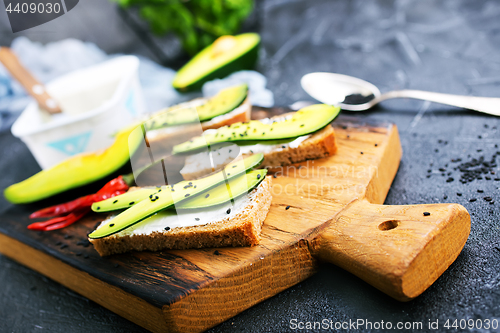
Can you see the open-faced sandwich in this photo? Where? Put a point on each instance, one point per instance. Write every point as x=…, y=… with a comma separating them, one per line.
x=290, y=138
x=180, y=122
x=224, y=209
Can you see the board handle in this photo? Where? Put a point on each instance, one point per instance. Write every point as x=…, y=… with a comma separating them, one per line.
x=23, y=76
x=401, y=250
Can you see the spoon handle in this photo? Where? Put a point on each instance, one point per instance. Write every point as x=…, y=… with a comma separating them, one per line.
x=32, y=86
x=490, y=105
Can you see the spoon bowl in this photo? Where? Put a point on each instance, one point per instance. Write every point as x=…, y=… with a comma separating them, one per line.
x=331, y=88
x=353, y=94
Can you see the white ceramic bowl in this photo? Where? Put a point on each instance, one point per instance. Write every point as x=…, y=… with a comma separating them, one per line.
x=96, y=101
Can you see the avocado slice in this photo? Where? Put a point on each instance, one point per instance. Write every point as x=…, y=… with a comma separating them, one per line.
x=165, y=199
x=220, y=194
x=76, y=171
x=226, y=55
x=225, y=101
x=305, y=121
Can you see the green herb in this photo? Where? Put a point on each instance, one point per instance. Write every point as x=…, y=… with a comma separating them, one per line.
x=197, y=23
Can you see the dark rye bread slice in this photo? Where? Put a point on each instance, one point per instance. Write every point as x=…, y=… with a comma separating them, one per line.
x=242, y=229
x=319, y=145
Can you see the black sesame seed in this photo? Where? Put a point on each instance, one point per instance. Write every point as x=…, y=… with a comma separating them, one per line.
x=97, y=208
x=67, y=236
x=445, y=197
x=488, y=198
x=187, y=195
x=459, y=194
x=287, y=207
x=58, y=243
x=167, y=228
x=113, y=202
x=449, y=180
x=131, y=203
x=283, y=146
x=480, y=191
x=197, y=218
x=234, y=166
x=361, y=153
x=206, y=196
x=376, y=145
x=274, y=176
x=258, y=176
x=217, y=253
x=472, y=199
x=427, y=213
x=228, y=211
x=78, y=254
x=112, y=225
x=64, y=246
x=302, y=125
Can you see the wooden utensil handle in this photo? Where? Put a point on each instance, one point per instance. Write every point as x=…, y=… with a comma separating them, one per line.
x=33, y=86
x=400, y=250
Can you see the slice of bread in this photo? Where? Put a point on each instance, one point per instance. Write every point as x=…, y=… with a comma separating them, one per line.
x=317, y=145
x=162, y=140
x=239, y=225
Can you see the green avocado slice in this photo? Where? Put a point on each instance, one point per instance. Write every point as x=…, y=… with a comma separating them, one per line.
x=221, y=193
x=226, y=55
x=225, y=101
x=77, y=170
x=305, y=121
x=165, y=199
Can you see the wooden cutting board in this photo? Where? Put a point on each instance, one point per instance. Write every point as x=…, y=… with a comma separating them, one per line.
x=329, y=209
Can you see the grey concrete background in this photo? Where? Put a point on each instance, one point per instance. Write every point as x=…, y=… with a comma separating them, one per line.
x=446, y=46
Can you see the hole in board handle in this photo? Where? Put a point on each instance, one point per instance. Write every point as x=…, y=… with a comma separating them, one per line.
x=388, y=225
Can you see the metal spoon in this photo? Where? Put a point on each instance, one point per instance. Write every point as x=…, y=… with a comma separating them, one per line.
x=331, y=88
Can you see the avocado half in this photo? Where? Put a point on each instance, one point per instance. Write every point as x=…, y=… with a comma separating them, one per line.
x=226, y=55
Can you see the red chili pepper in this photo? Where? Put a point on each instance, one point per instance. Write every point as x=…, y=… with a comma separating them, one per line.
x=77, y=208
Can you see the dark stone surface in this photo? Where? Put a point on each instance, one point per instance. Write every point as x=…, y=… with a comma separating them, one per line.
x=448, y=46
